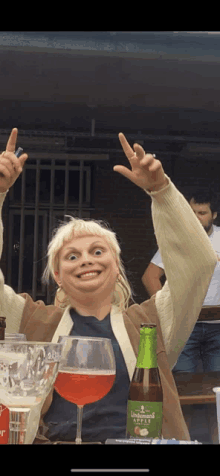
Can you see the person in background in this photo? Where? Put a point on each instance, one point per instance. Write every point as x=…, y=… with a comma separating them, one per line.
x=84, y=259
x=202, y=350
x=203, y=346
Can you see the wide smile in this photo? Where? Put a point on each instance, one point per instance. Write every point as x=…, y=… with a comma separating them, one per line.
x=87, y=275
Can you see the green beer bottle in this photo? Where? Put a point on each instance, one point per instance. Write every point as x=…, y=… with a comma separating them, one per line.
x=145, y=398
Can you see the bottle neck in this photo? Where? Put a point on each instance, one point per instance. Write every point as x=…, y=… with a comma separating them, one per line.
x=147, y=353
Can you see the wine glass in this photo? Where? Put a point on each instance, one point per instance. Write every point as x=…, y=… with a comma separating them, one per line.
x=4, y=412
x=86, y=372
x=27, y=373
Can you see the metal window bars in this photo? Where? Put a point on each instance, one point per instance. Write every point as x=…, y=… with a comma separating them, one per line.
x=46, y=191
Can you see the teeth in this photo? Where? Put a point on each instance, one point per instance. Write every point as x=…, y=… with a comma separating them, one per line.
x=89, y=274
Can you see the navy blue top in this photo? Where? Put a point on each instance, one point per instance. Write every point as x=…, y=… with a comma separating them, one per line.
x=105, y=418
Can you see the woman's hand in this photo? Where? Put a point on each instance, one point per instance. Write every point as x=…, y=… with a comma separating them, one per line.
x=10, y=165
x=146, y=171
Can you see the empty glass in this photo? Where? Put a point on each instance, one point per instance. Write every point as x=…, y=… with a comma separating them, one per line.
x=27, y=373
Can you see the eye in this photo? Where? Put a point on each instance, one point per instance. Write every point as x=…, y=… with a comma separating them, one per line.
x=98, y=252
x=72, y=257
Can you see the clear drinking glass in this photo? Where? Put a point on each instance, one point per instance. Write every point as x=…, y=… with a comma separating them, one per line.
x=86, y=372
x=27, y=373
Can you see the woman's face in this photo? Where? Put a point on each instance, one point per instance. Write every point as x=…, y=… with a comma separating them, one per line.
x=87, y=265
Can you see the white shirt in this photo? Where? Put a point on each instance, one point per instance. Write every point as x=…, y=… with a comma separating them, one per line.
x=213, y=294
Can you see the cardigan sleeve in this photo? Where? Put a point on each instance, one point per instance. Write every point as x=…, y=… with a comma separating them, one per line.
x=11, y=304
x=189, y=262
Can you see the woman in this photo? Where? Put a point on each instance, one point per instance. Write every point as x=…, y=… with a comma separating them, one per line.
x=84, y=260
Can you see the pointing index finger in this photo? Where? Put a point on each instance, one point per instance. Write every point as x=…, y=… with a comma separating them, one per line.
x=11, y=144
x=129, y=152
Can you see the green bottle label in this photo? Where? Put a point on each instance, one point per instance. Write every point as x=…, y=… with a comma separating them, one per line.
x=147, y=353
x=144, y=419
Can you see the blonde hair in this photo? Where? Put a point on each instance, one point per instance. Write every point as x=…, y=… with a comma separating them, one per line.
x=75, y=228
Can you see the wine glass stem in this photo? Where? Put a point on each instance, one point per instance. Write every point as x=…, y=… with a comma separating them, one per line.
x=78, y=439
x=18, y=422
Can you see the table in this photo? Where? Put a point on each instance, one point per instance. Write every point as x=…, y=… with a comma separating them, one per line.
x=196, y=388
x=194, y=391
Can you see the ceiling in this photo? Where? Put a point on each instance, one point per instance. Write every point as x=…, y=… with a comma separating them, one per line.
x=154, y=82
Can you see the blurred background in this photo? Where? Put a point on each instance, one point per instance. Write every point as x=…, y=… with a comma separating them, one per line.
x=70, y=93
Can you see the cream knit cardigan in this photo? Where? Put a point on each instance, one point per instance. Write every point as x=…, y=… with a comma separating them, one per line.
x=189, y=261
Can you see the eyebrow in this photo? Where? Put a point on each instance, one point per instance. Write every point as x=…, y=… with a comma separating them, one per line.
x=92, y=244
